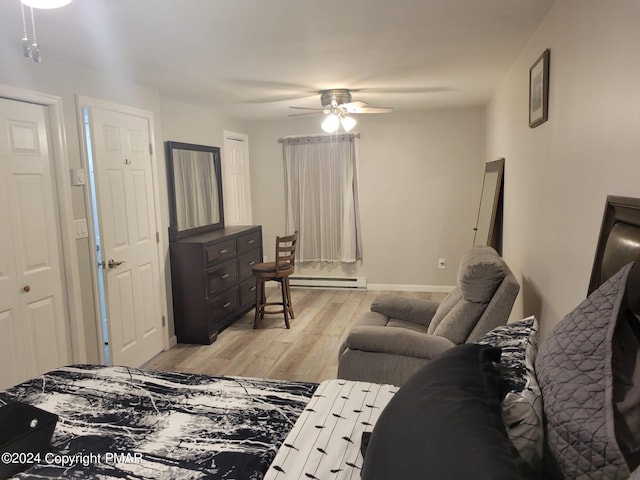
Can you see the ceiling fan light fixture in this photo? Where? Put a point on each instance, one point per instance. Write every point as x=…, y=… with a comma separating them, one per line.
x=348, y=123
x=46, y=3
x=331, y=123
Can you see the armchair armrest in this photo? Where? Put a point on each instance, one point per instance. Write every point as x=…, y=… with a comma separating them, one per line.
x=397, y=341
x=412, y=310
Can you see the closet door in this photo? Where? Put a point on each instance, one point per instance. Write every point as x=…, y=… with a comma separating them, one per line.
x=33, y=327
x=236, y=179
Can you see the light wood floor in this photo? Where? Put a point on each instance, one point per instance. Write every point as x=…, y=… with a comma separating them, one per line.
x=306, y=352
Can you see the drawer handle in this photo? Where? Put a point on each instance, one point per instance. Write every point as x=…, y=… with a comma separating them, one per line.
x=224, y=250
x=226, y=275
x=226, y=305
x=252, y=263
x=252, y=289
x=250, y=242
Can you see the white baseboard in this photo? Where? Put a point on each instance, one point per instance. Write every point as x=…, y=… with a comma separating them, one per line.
x=410, y=288
x=328, y=282
x=173, y=341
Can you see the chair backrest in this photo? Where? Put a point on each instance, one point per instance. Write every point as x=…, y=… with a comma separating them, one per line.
x=483, y=298
x=285, y=253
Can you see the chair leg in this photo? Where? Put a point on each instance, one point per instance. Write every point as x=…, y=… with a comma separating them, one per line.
x=285, y=307
x=289, y=302
x=259, y=301
x=263, y=300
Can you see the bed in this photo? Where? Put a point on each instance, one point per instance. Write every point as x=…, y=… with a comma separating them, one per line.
x=120, y=422
x=480, y=411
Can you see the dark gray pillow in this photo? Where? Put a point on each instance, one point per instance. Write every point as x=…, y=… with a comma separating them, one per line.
x=445, y=423
x=574, y=369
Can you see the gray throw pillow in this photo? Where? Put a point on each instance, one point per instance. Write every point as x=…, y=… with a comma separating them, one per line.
x=574, y=368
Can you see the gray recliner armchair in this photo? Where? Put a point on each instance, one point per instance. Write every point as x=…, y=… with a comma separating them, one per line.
x=399, y=335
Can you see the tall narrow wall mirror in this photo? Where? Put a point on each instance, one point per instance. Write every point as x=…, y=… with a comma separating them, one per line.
x=195, y=189
x=488, y=230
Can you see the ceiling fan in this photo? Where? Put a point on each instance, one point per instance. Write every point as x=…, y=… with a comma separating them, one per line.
x=337, y=105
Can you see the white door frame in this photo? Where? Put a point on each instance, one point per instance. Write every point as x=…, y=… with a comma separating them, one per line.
x=69, y=255
x=161, y=248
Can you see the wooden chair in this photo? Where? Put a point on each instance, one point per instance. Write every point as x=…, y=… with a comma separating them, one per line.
x=279, y=271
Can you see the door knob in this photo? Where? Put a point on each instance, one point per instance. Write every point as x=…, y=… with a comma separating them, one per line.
x=26, y=288
x=114, y=264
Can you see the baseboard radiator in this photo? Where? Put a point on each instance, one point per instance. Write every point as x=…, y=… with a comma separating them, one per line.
x=329, y=282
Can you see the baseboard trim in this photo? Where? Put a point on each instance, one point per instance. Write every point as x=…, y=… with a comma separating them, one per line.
x=173, y=341
x=410, y=288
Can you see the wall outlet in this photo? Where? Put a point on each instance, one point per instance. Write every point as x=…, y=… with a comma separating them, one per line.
x=442, y=263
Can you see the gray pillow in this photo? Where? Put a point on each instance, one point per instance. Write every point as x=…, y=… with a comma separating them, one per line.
x=574, y=368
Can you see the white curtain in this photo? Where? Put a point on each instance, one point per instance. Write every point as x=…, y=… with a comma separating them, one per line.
x=321, y=197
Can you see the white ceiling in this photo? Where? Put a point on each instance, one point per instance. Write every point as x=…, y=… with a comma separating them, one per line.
x=254, y=58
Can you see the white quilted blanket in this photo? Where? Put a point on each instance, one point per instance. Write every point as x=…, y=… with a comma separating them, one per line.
x=325, y=441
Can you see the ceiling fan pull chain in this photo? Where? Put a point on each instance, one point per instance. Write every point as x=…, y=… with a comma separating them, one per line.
x=26, y=46
x=35, y=50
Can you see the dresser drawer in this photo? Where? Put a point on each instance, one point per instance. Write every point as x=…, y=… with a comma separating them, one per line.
x=246, y=261
x=220, y=307
x=248, y=293
x=219, y=251
x=221, y=277
x=249, y=241
x=212, y=280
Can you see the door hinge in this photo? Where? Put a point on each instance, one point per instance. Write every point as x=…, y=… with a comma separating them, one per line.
x=150, y=149
x=164, y=321
x=157, y=237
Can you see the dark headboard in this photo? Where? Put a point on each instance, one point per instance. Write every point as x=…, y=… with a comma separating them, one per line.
x=619, y=241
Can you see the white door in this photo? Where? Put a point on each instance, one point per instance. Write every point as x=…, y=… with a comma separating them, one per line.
x=34, y=335
x=236, y=186
x=127, y=211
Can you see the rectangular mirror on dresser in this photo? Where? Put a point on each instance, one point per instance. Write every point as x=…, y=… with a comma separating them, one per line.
x=211, y=276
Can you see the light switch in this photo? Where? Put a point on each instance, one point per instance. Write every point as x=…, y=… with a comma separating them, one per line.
x=78, y=177
x=81, y=228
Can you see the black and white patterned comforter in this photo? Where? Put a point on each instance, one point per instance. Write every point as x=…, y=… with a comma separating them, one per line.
x=118, y=422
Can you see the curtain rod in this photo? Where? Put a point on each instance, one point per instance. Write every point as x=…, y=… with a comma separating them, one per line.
x=284, y=139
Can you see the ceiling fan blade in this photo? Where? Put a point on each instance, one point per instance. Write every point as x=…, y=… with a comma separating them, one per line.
x=279, y=98
x=307, y=113
x=400, y=90
x=308, y=108
x=371, y=110
x=352, y=107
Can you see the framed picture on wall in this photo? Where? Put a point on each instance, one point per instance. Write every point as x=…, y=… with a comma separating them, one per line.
x=539, y=90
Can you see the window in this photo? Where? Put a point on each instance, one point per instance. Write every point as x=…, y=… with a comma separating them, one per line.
x=321, y=197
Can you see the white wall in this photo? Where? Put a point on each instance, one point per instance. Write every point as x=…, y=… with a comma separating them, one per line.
x=420, y=176
x=559, y=174
x=182, y=122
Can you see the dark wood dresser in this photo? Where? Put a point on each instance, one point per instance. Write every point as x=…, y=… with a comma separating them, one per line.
x=212, y=281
